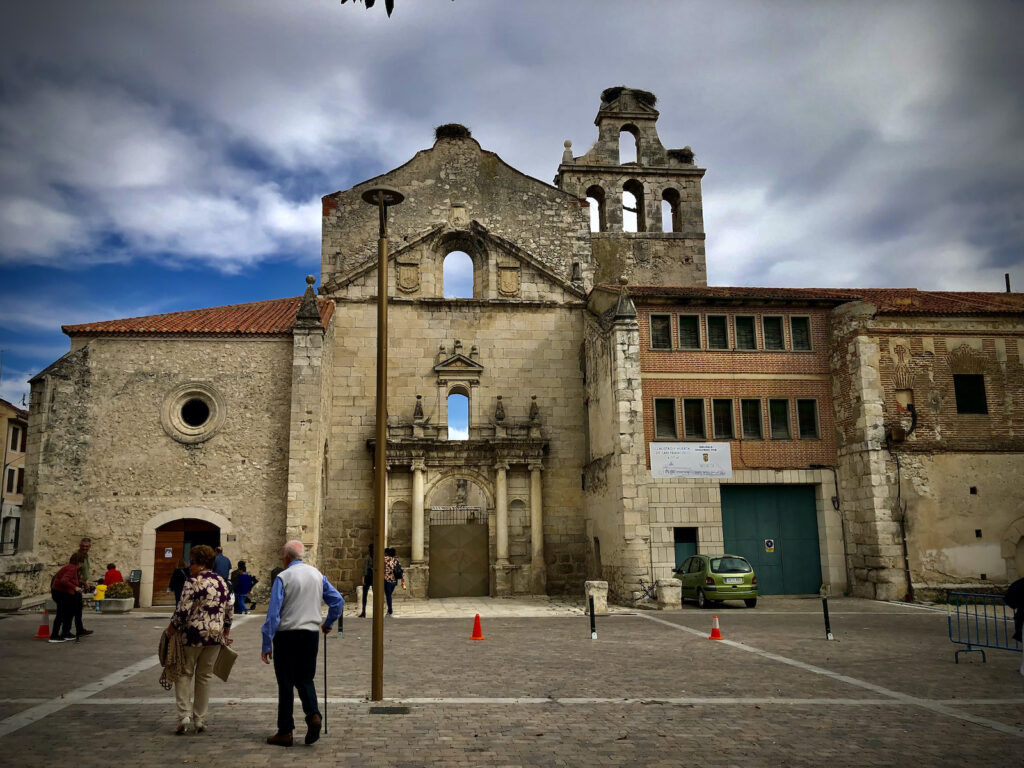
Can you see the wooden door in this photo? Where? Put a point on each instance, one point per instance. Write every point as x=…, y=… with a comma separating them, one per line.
x=170, y=547
x=458, y=561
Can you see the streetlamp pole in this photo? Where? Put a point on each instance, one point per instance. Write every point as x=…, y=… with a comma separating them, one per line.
x=382, y=198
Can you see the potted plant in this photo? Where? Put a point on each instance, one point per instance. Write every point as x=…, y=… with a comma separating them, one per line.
x=10, y=597
x=118, y=599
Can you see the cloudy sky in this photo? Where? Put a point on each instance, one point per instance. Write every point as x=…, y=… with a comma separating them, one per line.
x=167, y=155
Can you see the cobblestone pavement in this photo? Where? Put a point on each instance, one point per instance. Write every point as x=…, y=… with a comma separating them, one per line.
x=651, y=690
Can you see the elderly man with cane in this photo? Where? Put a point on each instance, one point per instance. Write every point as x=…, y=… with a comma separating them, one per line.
x=291, y=638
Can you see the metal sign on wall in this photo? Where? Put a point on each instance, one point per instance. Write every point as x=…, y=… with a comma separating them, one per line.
x=712, y=460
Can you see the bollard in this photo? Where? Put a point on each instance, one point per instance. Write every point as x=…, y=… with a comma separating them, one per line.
x=828, y=625
x=593, y=621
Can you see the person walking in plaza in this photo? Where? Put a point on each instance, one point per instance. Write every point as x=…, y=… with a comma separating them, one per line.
x=392, y=575
x=222, y=565
x=367, y=578
x=291, y=639
x=112, y=576
x=203, y=617
x=178, y=578
x=83, y=576
x=242, y=584
x=66, y=591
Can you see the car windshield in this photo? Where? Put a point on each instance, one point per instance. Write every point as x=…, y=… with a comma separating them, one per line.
x=730, y=565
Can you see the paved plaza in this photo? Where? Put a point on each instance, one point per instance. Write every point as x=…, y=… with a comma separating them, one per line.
x=650, y=691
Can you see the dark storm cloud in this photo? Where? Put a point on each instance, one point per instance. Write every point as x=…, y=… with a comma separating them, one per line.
x=862, y=135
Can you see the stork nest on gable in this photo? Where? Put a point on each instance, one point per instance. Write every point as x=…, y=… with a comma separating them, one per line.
x=609, y=95
x=684, y=155
x=452, y=131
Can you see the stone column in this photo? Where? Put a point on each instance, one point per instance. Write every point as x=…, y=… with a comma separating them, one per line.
x=501, y=511
x=538, y=574
x=418, y=469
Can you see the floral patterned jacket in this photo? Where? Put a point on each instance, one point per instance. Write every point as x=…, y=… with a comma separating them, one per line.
x=204, y=611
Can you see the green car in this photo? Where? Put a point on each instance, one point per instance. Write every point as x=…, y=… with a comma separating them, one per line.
x=710, y=578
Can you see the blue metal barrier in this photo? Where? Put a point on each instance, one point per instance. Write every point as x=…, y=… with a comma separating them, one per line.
x=980, y=621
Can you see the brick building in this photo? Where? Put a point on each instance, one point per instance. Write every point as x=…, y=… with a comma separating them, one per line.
x=852, y=420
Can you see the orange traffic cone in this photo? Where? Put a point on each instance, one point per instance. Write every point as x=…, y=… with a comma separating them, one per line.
x=43, y=633
x=716, y=633
x=477, y=632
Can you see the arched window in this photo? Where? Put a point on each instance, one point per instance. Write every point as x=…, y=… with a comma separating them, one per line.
x=633, y=219
x=458, y=416
x=629, y=144
x=458, y=276
x=598, y=214
x=671, y=213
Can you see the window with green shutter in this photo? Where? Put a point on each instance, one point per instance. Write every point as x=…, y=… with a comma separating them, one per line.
x=746, y=338
x=772, y=328
x=778, y=415
x=750, y=414
x=807, y=419
x=800, y=332
x=665, y=418
x=689, y=332
x=718, y=332
x=693, y=419
x=661, y=331
x=721, y=412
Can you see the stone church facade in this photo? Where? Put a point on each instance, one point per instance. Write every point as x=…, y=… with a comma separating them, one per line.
x=577, y=351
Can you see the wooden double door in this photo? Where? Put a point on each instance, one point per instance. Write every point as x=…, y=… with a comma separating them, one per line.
x=459, y=565
x=174, y=540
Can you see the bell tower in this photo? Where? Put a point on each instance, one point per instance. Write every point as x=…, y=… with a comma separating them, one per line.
x=646, y=211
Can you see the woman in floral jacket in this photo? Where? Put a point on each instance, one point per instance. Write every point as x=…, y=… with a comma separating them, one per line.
x=203, y=616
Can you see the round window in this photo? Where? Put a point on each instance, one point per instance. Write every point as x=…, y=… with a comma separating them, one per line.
x=192, y=412
x=195, y=412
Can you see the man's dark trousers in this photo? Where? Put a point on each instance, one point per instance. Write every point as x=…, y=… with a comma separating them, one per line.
x=295, y=666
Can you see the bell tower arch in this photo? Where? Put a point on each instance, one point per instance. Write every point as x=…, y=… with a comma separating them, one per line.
x=629, y=187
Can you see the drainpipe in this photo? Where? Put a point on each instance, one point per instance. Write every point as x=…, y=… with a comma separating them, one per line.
x=901, y=507
x=842, y=522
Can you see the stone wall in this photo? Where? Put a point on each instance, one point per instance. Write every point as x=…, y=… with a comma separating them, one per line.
x=616, y=504
x=525, y=350
x=454, y=184
x=103, y=465
x=898, y=469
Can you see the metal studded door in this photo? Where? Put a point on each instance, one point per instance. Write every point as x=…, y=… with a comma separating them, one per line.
x=458, y=553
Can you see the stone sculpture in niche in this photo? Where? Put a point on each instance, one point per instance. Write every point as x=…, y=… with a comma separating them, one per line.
x=499, y=410
x=534, y=409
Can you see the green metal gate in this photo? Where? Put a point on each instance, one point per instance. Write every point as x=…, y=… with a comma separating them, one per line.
x=776, y=528
x=458, y=553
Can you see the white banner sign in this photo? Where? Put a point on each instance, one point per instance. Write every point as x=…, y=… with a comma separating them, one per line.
x=691, y=460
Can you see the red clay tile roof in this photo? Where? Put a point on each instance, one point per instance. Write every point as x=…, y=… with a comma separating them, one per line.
x=259, y=318
x=888, y=300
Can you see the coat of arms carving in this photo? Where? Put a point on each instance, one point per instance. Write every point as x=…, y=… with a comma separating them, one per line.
x=408, y=275
x=508, y=279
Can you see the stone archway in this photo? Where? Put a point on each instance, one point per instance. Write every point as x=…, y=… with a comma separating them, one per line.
x=1012, y=550
x=148, y=542
x=459, y=548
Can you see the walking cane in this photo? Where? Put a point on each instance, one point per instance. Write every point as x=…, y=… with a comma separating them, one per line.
x=325, y=682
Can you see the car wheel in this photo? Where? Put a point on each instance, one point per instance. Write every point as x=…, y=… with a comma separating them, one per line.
x=751, y=602
x=702, y=602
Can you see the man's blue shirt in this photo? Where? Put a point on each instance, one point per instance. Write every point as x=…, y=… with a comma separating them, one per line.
x=335, y=604
x=222, y=567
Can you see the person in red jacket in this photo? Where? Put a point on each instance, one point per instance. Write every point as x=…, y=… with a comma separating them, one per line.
x=112, y=576
x=66, y=590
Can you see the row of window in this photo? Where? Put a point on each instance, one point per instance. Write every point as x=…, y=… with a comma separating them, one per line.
x=15, y=480
x=717, y=333
x=724, y=424
x=18, y=436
